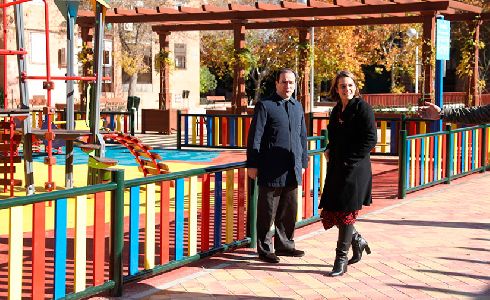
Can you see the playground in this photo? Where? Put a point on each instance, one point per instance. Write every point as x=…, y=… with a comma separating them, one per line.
x=89, y=207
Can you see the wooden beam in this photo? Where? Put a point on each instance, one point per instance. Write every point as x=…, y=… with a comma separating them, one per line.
x=242, y=12
x=140, y=10
x=288, y=23
x=287, y=4
x=213, y=8
x=266, y=6
x=465, y=7
x=485, y=17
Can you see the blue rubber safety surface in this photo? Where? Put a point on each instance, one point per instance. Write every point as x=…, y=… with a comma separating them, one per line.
x=125, y=158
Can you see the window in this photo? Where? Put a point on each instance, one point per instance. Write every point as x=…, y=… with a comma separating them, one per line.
x=145, y=78
x=38, y=48
x=180, y=56
x=62, y=58
x=107, y=54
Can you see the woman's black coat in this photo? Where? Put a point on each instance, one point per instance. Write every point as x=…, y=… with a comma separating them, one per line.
x=351, y=136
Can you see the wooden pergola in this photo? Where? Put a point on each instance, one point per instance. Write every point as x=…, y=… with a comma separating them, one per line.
x=287, y=14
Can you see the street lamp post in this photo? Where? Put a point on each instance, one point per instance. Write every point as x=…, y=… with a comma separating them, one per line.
x=412, y=32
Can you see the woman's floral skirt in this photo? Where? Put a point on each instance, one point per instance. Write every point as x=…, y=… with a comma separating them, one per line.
x=337, y=218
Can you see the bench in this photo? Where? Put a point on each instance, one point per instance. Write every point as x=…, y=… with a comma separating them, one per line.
x=214, y=99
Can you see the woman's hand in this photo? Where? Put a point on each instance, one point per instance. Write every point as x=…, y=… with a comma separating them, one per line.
x=252, y=173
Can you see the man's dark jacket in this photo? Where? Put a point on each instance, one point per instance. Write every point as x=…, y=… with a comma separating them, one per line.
x=277, y=144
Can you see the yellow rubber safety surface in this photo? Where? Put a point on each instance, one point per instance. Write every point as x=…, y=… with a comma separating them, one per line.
x=80, y=179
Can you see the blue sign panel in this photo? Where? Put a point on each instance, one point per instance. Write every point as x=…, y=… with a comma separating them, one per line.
x=443, y=39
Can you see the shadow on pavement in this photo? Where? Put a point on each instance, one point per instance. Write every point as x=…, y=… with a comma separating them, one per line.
x=454, y=292
x=472, y=225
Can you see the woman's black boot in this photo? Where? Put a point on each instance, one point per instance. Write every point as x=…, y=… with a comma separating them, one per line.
x=359, y=244
x=343, y=245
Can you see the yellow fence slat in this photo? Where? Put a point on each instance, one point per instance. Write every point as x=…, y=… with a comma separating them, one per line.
x=192, y=249
x=412, y=163
x=194, y=130
x=427, y=158
x=323, y=171
x=422, y=128
x=239, y=132
x=229, y=205
x=383, y=136
x=80, y=243
x=477, y=148
x=455, y=154
x=15, y=252
x=440, y=158
x=150, y=227
x=467, y=151
x=216, y=131
x=299, y=215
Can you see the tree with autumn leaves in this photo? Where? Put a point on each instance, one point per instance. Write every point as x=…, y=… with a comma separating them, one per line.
x=388, y=47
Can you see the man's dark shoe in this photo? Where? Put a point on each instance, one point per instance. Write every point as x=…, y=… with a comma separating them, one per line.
x=293, y=253
x=269, y=257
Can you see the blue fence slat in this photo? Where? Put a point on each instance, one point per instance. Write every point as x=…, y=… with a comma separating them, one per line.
x=316, y=181
x=186, y=130
x=179, y=218
x=393, y=137
x=112, y=119
x=473, y=148
x=231, y=139
x=436, y=157
x=463, y=153
x=407, y=164
x=134, y=220
x=209, y=131
x=422, y=160
x=60, y=221
x=218, y=203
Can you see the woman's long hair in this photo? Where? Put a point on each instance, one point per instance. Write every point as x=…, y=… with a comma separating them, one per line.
x=334, y=94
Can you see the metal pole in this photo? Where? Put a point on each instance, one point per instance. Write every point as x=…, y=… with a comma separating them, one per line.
x=417, y=67
x=252, y=212
x=312, y=68
x=117, y=232
x=402, y=167
x=179, y=128
x=70, y=109
x=449, y=153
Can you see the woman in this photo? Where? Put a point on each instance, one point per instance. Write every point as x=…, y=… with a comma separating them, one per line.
x=351, y=136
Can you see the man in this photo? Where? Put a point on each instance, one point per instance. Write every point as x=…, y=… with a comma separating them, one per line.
x=276, y=154
x=468, y=115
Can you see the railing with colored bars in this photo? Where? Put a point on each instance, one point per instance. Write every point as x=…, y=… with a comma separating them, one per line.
x=96, y=238
x=433, y=158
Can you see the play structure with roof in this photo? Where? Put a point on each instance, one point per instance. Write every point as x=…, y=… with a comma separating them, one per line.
x=89, y=138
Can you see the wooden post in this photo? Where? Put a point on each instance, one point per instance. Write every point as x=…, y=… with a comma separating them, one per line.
x=164, y=94
x=473, y=91
x=428, y=47
x=304, y=75
x=239, y=101
x=304, y=70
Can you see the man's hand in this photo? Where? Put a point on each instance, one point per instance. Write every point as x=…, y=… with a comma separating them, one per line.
x=252, y=173
x=327, y=154
x=430, y=111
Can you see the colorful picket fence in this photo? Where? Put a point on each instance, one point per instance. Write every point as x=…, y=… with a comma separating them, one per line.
x=113, y=120
x=216, y=131
x=433, y=158
x=388, y=130
x=95, y=239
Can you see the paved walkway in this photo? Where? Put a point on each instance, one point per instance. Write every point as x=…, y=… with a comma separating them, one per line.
x=435, y=244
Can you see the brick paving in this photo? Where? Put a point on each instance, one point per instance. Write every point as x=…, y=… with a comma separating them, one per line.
x=435, y=244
